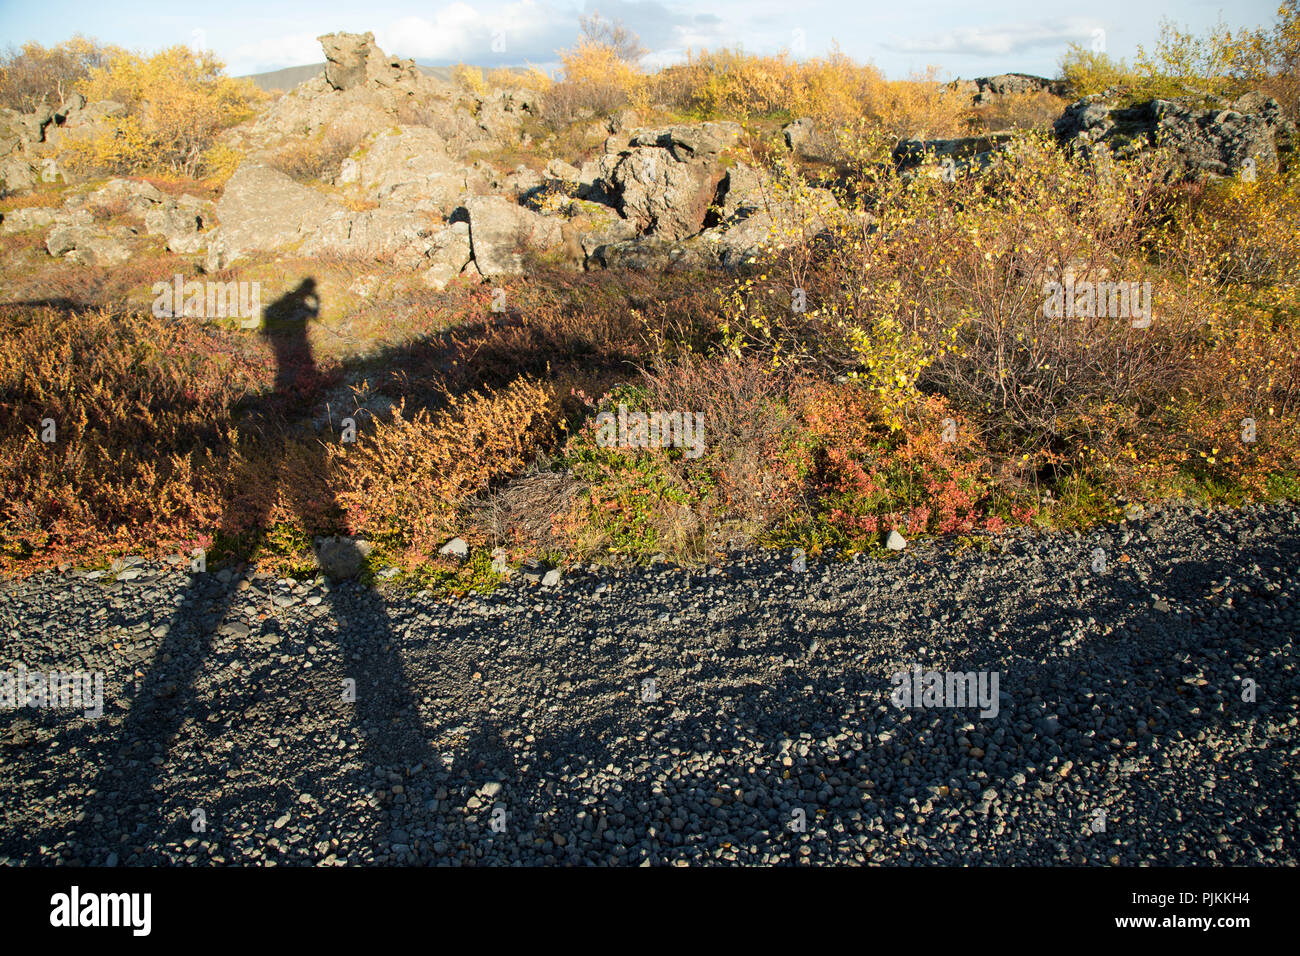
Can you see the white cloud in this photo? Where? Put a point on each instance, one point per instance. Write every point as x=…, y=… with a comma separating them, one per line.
x=512, y=33
x=274, y=53
x=998, y=40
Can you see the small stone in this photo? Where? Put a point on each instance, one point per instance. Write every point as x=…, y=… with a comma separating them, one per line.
x=895, y=542
x=455, y=548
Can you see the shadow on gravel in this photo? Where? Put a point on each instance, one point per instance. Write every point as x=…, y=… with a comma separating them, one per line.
x=702, y=761
x=127, y=795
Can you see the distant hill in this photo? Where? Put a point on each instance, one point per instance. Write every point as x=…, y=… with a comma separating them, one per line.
x=285, y=79
x=291, y=76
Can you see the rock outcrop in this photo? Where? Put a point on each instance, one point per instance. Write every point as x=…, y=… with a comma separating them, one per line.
x=1218, y=140
x=501, y=232
x=364, y=91
x=77, y=233
x=353, y=59
x=988, y=89
x=665, y=180
x=29, y=142
x=807, y=141
x=263, y=209
x=409, y=167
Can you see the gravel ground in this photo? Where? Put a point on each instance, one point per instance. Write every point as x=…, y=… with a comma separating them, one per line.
x=520, y=727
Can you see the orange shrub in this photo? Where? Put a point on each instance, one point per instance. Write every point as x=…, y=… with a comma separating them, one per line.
x=401, y=482
x=142, y=428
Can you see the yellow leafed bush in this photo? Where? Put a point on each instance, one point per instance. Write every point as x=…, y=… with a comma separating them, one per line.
x=177, y=102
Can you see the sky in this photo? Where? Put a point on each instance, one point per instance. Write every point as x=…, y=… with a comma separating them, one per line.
x=900, y=36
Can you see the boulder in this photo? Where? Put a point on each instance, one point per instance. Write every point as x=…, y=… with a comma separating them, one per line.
x=596, y=225
x=17, y=175
x=688, y=142
x=806, y=141
x=590, y=184
x=353, y=59
x=455, y=548
x=663, y=179
x=666, y=198
x=263, y=209
x=89, y=245
x=449, y=256
x=180, y=225
x=649, y=254
x=560, y=171
x=500, y=231
x=744, y=190
x=340, y=557
x=402, y=237
x=85, y=125
x=501, y=113
x=409, y=167
x=33, y=217
x=751, y=230
x=138, y=198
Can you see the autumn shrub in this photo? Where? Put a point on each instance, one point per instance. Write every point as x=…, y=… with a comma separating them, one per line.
x=47, y=279
x=1231, y=252
x=596, y=81
x=1269, y=58
x=635, y=501
x=919, y=287
x=140, y=413
x=749, y=449
x=1216, y=62
x=178, y=101
x=321, y=158
x=571, y=100
x=942, y=288
x=531, y=78
x=1016, y=111
x=401, y=483
x=1087, y=71
x=469, y=78
x=37, y=74
x=869, y=479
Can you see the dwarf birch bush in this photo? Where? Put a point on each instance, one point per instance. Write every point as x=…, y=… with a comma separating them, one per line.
x=177, y=102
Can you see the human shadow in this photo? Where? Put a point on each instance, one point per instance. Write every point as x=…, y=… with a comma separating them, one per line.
x=126, y=794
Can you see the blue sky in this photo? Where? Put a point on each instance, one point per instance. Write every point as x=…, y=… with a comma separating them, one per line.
x=962, y=38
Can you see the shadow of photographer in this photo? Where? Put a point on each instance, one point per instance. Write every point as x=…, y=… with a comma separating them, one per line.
x=130, y=794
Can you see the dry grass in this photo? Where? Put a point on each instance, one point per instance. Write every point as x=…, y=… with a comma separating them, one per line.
x=320, y=159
